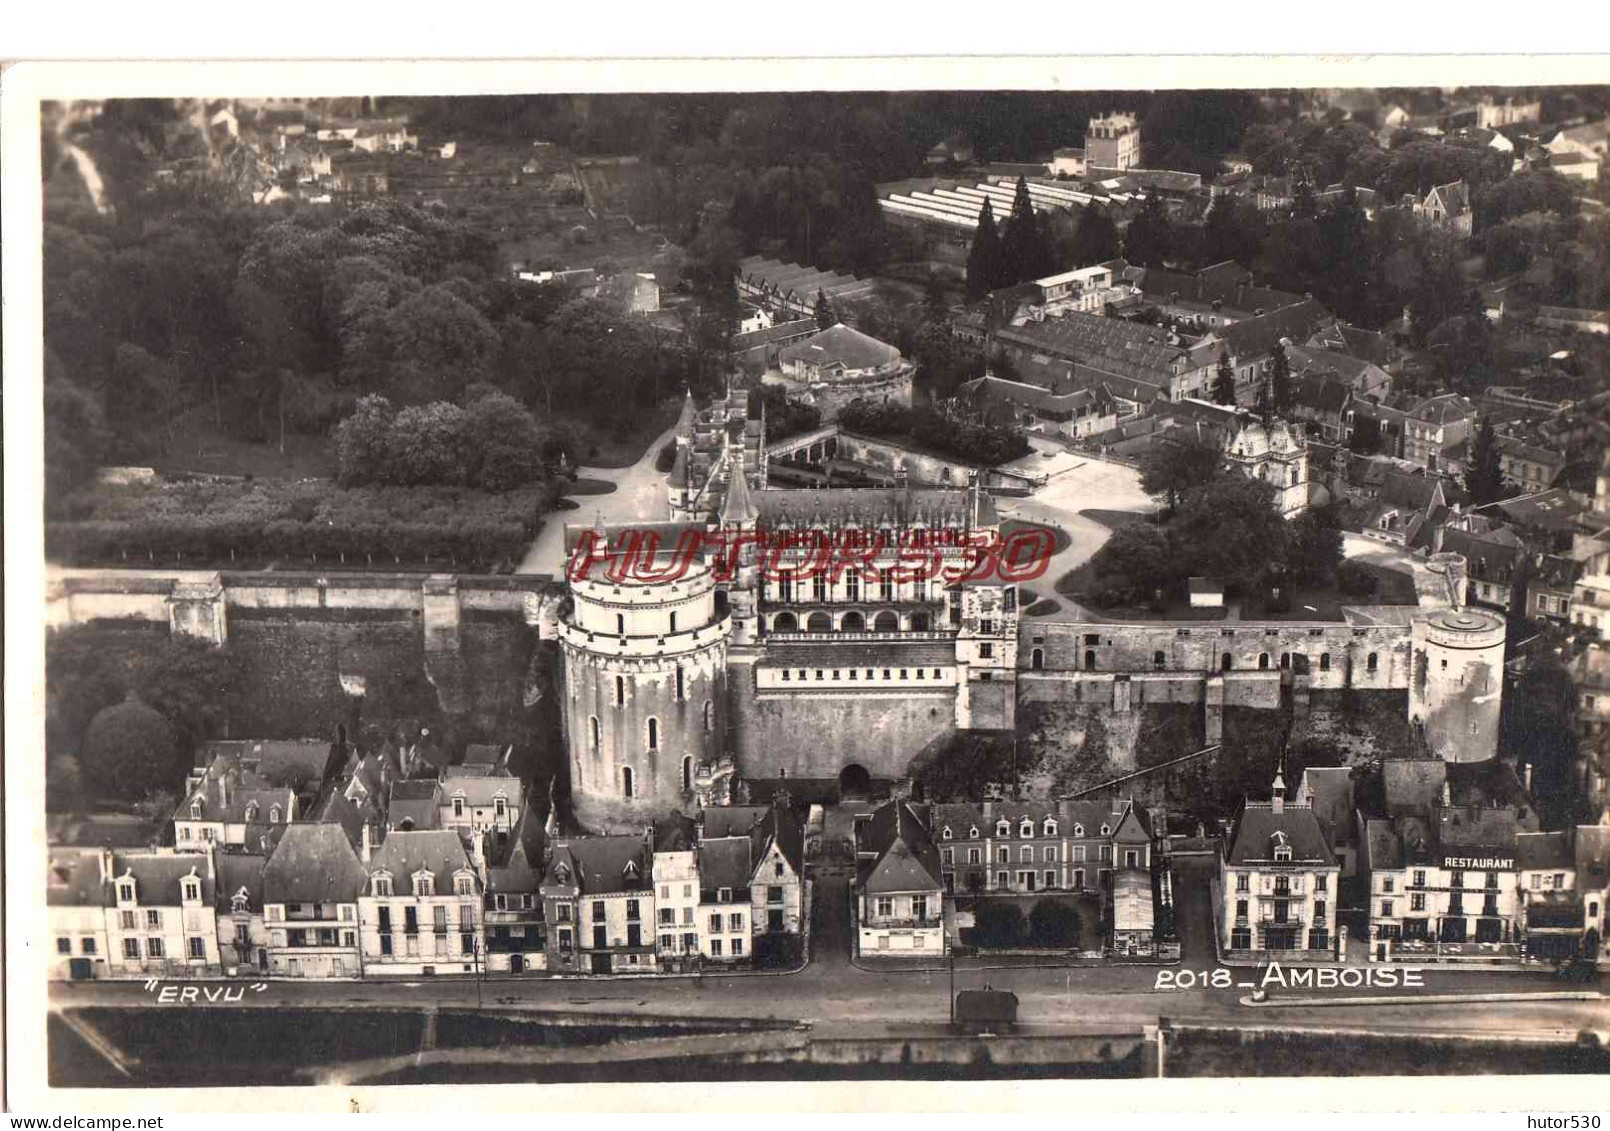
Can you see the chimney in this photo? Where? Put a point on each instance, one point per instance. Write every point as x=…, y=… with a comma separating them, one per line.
x=1447, y=793
x=223, y=789
x=367, y=852
x=1527, y=776
x=104, y=858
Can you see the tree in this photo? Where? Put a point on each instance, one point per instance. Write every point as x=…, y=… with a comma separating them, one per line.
x=825, y=318
x=507, y=445
x=984, y=257
x=1230, y=529
x=1316, y=548
x=1023, y=249
x=1054, y=923
x=1171, y=469
x=429, y=445
x=1149, y=239
x=1279, y=380
x=129, y=750
x=1484, y=477
x=441, y=344
x=1233, y=231
x=1134, y=567
x=999, y=924
x=1224, y=380
x=1096, y=239
x=363, y=442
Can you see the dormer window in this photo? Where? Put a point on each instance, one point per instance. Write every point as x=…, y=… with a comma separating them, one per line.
x=1283, y=853
x=424, y=884
x=382, y=885
x=466, y=885
x=972, y=833
x=1106, y=830
x=1026, y=829
x=561, y=873
x=195, y=809
x=945, y=834
x=1078, y=830
x=238, y=903
x=125, y=892
x=724, y=895
x=1003, y=828
x=251, y=811
x=1050, y=828
x=458, y=806
x=273, y=814
x=500, y=806
x=190, y=889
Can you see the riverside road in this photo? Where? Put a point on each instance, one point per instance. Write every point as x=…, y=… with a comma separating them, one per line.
x=836, y=996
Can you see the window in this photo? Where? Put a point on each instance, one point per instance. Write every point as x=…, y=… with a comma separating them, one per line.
x=620, y=690
x=1417, y=901
x=919, y=908
x=885, y=906
x=1324, y=661
x=1419, y=879
x=1241, y=882
x=1003, y=855
x=594, y=735
x=1026, y=854
x=1386, y=907
x=125, y=893
x=198, y=947
x=64, y=945
x=715, y=924
x=735, y=922
x=466, y=885
x=1003, y=828
x=737, y=948
x=653, y=734
x=131, y=948
x=715, y=948
x=153, y=948
x=986, y=651
x=1372, y=662
x=620, y=624
x=973, y=856
x=425, y=884
x=774, y=895
x=1159, y=661
x=598, y=911
x=724, y=895
x=382, y=887
x=681, y=684
x=1026, y=829
x=458, y=806
x=153, y=919
x=1050, y=856
x=1240, y=909
x=626, y=771
x=1386, y=883
x=1456, y=879
x=1050, y=828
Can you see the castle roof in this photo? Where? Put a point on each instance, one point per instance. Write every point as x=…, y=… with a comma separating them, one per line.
x=841, y=345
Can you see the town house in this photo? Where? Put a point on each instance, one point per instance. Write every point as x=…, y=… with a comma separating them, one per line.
x=243, y=934
x=162, y=919
x=516, y=939
x=1027, y=847
x=78, y=889
x=899, y=900
x=598, y=902
x=676, y=878
x=725, y=905
x=776, y=881
x=312, y=884
x=420, y=910
x=1436, y=428
x=231, y=806
x=1278, y=881
x=1552, y=908
x=484, y=803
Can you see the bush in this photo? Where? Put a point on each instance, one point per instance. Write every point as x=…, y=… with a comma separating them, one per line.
x=234, y=522
x=1355, y=580
x=999, y=924
x=1054, y=922
x=667, y=457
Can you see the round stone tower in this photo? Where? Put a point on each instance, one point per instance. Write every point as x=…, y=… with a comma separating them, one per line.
x=645, y=692
x=1457, y=681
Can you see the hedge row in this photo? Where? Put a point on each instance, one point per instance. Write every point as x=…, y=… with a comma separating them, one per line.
x=374, y=525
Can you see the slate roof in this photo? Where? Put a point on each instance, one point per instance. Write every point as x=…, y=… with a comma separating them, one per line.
x=763, y=824
x=313, y=863
x=1492, y=557
x=73, y=878
x=597, y=864
x=1329, y=789
x=1131, y=349
x=871, y=505
x=157, y=875
x=904, y=857
x=482, y=790
x=1253, y=338
x=841, y=345
x=1321, y=393
x=1544, y=850
x=780, y=332
x=1355, y=372
x=1553, y=509
x=489, y=754
x=1255, y=835
x=675, y=833
x=240, y=872
x=1230, y=288
x=417, y=800
x=1409, y=490
x=724, y=862
x=1366, y=345
x=279, y=761
x=351, y=814
x=1467, y=827
x=440, y=852
x=1444, y=409
x=1592, y=857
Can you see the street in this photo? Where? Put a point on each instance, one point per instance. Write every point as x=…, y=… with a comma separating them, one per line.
x=838, y=997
